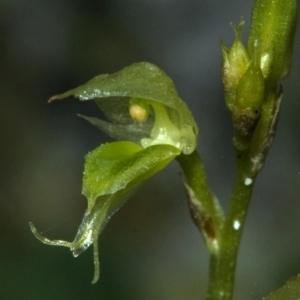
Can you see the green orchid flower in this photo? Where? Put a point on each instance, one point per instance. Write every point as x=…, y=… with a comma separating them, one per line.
x=153, y=126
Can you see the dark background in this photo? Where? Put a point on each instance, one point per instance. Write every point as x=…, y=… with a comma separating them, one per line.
x=150, y=250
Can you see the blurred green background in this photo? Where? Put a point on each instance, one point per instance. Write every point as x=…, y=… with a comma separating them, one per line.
x=150, y=249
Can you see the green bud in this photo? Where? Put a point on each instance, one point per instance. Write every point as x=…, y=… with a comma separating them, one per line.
x=250, y=90
x=140, y=86
x=235, y=63
x=249, y=99
x=244, y=88
x=273, y=28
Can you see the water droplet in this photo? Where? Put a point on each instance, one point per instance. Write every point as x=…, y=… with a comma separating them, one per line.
x=248, y=181
x=236, y=225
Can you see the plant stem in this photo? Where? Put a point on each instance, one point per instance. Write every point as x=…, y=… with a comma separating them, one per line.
x=229, y=230
x=204, y=207
x=223, y=262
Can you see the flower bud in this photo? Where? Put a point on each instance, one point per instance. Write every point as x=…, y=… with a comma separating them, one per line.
x=249, y=98
x=250, y=90
x=235, y=63
x=273, y=27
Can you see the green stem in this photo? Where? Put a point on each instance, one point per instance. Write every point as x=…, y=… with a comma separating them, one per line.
x=223, y=262
x=228, y=231
x=205, y=209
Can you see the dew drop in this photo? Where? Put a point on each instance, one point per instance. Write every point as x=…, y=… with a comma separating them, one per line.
x=236, y=225
x=248, y=181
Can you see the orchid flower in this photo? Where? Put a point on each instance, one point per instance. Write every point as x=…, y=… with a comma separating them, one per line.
x=153, y=126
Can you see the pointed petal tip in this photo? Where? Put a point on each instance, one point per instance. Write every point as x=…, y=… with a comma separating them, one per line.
x=82, y=116
x=95, y=279
x=32, y=228
x=47, y=241
x=96, y=261
x=51, y=99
